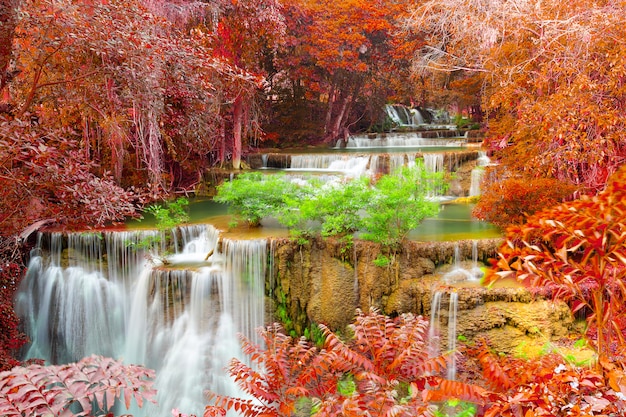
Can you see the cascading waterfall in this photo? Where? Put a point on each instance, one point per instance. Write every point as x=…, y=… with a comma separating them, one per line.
x=433, y=162
x=397, y=161
x=435, y=328
x=110, y=294
x=434, y=337
x=452, y=320
x=402, y=140
x=350, y=166
x=460, y=272
x=477, y=173
x=314, y=161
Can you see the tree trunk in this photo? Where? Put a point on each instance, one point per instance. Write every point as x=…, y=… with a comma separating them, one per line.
x=329, y=110
x=338, y=121
x=237, y=129
x=8, y=21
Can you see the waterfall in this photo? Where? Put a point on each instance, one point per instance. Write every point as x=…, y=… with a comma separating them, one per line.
x=434, y=338
x=351, y=166
x=434, y=330
x=460, y=271
x=396, y=161
x=476, y=176
x=477, y=173
x=433, y=162
x=179, y=313
x=314, y=161
x=403, y=140
x=452, y=320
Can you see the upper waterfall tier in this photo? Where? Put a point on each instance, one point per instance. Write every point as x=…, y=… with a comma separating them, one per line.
x=416, y=139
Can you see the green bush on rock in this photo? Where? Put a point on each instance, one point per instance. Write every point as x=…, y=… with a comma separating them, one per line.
x=400, y=203
x=384, y=213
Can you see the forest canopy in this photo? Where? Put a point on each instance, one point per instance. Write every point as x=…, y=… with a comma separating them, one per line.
x=143, y=97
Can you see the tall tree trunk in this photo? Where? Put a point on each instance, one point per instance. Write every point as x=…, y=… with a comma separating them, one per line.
x=237, y=129
x=8, y=21
x=339, y=120
x=329, y=111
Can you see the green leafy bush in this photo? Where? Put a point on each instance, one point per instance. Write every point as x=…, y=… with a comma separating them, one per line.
x=170, y=214
x=400, y=202
x=253, y=196
x=339, y=206
x=385, y=213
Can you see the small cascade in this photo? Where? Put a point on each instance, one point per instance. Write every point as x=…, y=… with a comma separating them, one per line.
x=435, y=342
x=404, y=116
x=348, y=165
x=452, y=320
x=397, y=161
x=403, y=140
x=434, y=162
x=313, y=161
x=400, y=115
x=374, y=166
x=434, y=336
x=477, y=173
x=177, y=313
x=461, y=271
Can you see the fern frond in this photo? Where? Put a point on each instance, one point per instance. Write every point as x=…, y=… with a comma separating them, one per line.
x=344, y=354
x=44, y=390
x=447, y=389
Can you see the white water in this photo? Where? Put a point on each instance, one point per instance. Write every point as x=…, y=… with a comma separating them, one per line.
x=434, y=329
x=347, y=165
x=181, y=320
x=462, y=272
x=402, y=140
x=478, y=173
x=452, y=320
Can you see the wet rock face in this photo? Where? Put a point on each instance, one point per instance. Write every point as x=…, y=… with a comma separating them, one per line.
x=321, y=283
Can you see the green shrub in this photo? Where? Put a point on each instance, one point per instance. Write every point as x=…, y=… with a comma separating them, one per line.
x=399, y=204
x=253, y=196
x=385, y=213
x=170, y=214
x=339, y=207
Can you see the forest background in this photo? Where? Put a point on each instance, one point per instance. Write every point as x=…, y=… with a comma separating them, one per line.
x=109, y=105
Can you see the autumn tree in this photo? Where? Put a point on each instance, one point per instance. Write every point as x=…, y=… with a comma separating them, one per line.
x=246, y=36
x=344, y=57
x=144, y=97
x=8, y=17
x=553, y=82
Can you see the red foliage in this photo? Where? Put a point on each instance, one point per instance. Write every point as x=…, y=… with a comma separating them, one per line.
x=384, y=369
x=92, y=386
x=509, y=201
x=45, y=176
x=578, y=249
x=11, y=339
x=547, y=386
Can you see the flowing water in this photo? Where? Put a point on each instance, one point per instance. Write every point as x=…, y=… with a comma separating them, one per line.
x=111, y=294
x=436, y=325
x=178, y=308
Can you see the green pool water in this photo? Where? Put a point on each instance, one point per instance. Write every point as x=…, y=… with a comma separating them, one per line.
x=454, y=222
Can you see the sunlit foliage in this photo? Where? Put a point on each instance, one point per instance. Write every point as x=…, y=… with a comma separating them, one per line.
x=553, y=80
x=577, y=251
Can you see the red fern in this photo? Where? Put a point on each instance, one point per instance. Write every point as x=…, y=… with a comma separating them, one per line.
x=94, y=383
x=384, y=369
